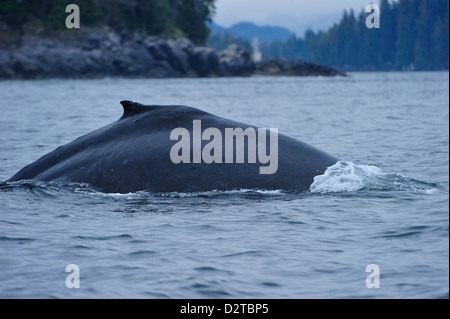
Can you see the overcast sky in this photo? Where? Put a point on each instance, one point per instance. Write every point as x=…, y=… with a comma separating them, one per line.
x=295, y=15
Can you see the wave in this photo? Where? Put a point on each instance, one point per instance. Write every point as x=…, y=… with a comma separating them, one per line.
x=341, y=177
x=247, y=193
x=53, y=188
x=38, y=188
x=213, y=193
x=349, y=177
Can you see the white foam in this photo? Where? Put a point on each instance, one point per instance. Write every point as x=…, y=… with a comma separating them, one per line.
x=227, y=192
x=349, y=177
x=344, y=177
x=431, y=191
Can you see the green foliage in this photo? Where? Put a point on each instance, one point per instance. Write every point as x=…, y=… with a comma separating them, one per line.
x=413, y=34
x=191, y=16
x=406, y=31
x=221, y=41
x=155, y=17
x=293, y=48
x=149, y=16
x=49, y=13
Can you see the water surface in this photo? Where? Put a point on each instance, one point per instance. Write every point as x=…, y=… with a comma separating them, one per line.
x=386, y=203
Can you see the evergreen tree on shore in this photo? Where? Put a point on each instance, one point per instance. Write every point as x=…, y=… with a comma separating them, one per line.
x=155, y=17
x=413, y=35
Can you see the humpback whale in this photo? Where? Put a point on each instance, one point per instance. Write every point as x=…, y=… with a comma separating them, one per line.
x=137, y=153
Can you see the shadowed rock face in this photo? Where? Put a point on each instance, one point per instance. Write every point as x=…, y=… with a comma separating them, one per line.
x=133, y=154
x=283, y=67
x=236, y=61
x=104, y=53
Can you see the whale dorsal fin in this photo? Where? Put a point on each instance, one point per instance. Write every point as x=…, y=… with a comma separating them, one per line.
x=131, y=108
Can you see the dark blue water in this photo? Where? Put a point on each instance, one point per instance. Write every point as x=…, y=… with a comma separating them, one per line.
x=386, y=203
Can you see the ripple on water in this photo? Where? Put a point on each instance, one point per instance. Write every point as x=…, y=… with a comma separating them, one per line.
x=242, y=243
x=101, y=238
x=19, y=240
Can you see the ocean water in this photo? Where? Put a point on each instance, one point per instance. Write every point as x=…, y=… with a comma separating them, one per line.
x=386, y=203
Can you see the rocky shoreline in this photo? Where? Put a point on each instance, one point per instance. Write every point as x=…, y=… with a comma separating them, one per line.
x=103, y=53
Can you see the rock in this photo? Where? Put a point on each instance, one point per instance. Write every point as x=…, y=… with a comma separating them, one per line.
x=205, y=61
x=235, y=61
x=100, y=39
x=102, y=52
x=156, y=51
x=282, y=67
x=6, y=71
x=176, y=54
x=28, y=67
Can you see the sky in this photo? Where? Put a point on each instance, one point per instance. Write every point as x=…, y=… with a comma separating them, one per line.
x=296, y=15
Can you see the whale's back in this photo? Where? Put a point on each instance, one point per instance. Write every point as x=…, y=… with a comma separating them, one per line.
x=133, y=154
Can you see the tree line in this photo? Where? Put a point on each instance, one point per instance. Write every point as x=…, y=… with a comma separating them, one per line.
x=155, y=17
x=413, y=35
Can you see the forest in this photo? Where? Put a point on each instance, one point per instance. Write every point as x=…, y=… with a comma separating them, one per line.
x=155, y=17
x=413, y=35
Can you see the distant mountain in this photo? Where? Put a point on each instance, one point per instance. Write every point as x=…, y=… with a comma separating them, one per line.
x=322, y=23
x=249, y=31
x=215, y=28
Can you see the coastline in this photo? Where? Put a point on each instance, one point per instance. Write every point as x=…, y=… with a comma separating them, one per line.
x=104, y=53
